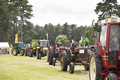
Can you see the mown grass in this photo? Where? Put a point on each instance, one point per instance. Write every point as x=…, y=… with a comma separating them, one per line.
x=26, y=68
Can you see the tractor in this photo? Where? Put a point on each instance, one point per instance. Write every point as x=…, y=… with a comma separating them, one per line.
x=74, y=56
x=18, y=49
x=42, y=49
x=54, y=54
x=32, y=50
x=105, y=54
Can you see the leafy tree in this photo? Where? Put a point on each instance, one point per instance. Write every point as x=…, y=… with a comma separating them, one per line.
x=107, y=8
x=63, y=39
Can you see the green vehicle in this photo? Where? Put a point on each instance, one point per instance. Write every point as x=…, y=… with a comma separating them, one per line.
x=33, y=47
x=18, y=49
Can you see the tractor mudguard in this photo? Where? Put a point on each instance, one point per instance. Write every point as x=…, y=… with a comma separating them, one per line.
x=96, y=49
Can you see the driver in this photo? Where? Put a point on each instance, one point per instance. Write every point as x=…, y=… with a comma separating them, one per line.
x=59, y=43
x=57, y=46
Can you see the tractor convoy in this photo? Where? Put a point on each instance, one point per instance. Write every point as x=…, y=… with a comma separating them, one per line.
x=102, y=59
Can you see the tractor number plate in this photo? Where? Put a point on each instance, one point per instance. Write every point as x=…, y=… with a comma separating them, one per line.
x=81, y=51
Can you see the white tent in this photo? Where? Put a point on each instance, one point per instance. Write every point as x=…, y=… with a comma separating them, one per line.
x=4, y=45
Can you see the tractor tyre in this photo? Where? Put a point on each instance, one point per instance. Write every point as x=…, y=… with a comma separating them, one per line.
x=21, y=53
x=39, y=55
x=54, y=61
x=31, y=53
x=26, y=52
x=15, y=52
x=86, y=67
x=51, y=57
x=111, y=76
x=48, y=57
x=71, y=68
x=96, y=66
x=64, y=61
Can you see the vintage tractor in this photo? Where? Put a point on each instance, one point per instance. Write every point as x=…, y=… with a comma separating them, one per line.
x=42, y=49
x=32, y=51
x=18, y=49
x=74, y=56
x=105, y=54
x=54, y=54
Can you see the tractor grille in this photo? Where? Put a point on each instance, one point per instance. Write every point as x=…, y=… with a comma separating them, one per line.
x=82, y=54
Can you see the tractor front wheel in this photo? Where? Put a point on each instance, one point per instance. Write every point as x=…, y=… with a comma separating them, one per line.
x=51, y=57
x=21, y=53
x=39, y=55
x=26, y=52
x=111, y=76
x=48, y=56
x=86, y=67
x=64, y=61
x=71, y=69
x=54, y=61
x=96, y=66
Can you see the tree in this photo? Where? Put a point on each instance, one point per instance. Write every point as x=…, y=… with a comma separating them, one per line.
x=66, y=30
x=5, y=18
x=25, y=13
x=107, y=8
x=63, y=39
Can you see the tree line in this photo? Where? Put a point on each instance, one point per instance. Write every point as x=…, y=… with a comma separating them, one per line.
x=14, y=15
x=71, y=31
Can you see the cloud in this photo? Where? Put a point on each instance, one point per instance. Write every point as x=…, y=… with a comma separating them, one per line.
x=80, y=12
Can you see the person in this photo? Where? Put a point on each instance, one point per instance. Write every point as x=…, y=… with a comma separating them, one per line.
x=0, y=50
x=81, y=42
x=59, y=43
x=75, y=44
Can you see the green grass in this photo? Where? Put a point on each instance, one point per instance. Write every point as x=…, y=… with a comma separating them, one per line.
x=26, y=68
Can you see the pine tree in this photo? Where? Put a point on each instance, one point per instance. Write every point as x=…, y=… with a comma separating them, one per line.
x=107, y=8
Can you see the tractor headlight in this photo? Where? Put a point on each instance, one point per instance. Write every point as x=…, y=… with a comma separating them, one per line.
x=38, y=47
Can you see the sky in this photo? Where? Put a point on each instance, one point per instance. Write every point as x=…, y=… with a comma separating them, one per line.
x=79, y=12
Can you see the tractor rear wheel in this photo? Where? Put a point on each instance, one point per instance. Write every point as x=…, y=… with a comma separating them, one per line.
x=51, y=57
x=71, y=69
x=64, y=61
x=31, y=53
x=96, y=66
x=111, y=76
x=15, y=52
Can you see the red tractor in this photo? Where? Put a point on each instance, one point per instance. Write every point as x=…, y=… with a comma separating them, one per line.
x=55, y=54
x=105, y=55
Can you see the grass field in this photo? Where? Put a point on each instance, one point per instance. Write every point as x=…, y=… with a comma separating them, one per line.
x=26, y=68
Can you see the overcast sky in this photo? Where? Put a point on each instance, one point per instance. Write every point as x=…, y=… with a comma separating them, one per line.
x=79, y=12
